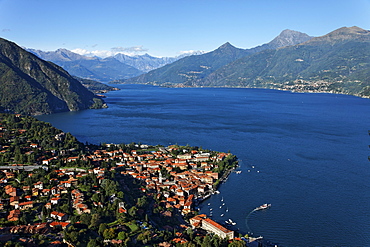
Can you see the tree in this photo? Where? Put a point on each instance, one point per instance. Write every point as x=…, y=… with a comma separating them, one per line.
x=102, y=228
x=85, y=219
x=109, y=233
x=122, y=235
x=95, y=220
x=237, y=244
x=92, y=243
x=132, y=211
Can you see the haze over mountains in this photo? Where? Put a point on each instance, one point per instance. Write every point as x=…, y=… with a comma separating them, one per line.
x=119, y=66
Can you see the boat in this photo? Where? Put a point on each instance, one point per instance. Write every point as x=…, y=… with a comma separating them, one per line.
x=227, y=210
x=264, y=206
x=222, y=215
x=230, y=222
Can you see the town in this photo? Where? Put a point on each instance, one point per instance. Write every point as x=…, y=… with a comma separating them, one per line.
x=56, y=191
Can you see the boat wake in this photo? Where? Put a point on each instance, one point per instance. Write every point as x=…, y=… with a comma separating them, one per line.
x=246, y=220
x=262, y=207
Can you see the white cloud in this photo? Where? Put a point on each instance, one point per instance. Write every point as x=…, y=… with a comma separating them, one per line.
x=131, y=51
x=191, y=52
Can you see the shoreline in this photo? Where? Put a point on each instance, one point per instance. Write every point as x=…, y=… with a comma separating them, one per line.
x=271, y=88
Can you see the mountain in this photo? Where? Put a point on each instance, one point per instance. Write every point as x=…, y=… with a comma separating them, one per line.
x=338, y=62
x=146, y=62
x=117, y=67
x=285, y=38
x=95, y=86
x=30, y=85
x=93, y=68
x=189, y=70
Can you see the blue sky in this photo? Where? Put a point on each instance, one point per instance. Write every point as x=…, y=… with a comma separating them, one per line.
x=169, y=27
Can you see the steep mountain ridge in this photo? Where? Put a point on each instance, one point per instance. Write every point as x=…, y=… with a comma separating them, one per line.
x=30, y=85
x=146, y=62
x=338, y=62
x=107, y=69
x=92, y=68
x=189, y=71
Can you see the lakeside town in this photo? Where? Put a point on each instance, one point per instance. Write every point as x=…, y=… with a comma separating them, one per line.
x=56, y=191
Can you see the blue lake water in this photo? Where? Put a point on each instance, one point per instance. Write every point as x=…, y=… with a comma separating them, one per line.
x=309, y=153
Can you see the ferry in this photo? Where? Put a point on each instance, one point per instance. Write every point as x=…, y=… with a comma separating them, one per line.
x=264, y=206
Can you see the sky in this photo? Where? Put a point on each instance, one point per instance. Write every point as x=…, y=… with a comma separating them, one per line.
x=167, y=28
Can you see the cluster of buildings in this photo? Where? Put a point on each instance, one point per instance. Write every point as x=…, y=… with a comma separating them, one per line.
x=180, y=179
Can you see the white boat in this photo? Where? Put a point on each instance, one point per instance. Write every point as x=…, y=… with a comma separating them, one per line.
x=227, y=210
x=222, y=215
x=264, y=206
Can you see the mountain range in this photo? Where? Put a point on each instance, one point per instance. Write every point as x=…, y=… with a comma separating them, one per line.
x=338, y=62
x=30, y=85
x=190, y=70
x=117, y=67
x=93, y=68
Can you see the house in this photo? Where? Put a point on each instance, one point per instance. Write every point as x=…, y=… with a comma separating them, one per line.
x=25, y=205
x=10, y=190
x=45, y=192
x=39, y=185
x=55, y=200
x=14, y=215
x=65, y=184
x=14, y=201
x=35, y=191
x=59, y=216
x=201, y=221
x=64, y=225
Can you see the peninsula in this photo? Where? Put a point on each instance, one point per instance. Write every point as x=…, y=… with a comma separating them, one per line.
x=56, y=191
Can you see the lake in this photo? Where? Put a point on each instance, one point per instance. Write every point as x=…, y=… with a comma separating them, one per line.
x=306, y=154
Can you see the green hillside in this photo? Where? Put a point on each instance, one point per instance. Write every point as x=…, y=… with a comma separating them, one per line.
x=190, y=69
x=33, y=86
x=338, y=62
